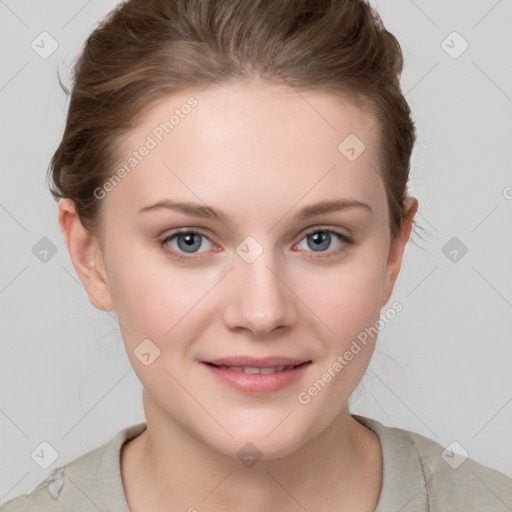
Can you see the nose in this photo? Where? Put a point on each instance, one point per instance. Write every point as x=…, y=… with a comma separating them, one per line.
x=260, y=301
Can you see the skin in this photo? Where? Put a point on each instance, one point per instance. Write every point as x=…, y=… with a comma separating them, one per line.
x=258, y=153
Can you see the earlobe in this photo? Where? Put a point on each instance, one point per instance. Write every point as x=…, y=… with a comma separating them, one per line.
x=397, y=248
x=85, y=254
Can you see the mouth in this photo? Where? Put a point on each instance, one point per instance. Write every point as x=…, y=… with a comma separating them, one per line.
x=267, y=370
x=257, y=376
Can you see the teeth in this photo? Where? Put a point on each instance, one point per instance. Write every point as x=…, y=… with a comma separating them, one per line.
x=250, y=370
x=270, y=370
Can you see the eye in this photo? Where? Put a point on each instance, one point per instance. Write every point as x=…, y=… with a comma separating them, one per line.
x=188, y=242
x=320, y=240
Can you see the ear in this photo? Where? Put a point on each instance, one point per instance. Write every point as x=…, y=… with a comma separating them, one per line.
x=397, y=248
x=85, y=253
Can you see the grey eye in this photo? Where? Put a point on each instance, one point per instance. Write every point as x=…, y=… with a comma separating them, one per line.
x=320, y=240
x=187, y=241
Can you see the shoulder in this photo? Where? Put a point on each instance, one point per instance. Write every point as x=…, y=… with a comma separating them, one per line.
x=456, y=482
x=91, y=482
x=44, y=497
x=450, y=480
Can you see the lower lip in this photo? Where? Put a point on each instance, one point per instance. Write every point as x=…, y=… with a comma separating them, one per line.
x=257, y=382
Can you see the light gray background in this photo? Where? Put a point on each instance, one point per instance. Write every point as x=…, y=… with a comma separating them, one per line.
x=442, y=366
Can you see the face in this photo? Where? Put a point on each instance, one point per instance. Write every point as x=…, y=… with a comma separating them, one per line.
x=265, y=276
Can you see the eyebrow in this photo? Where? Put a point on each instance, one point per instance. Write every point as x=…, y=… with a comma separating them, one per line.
x=198, y=210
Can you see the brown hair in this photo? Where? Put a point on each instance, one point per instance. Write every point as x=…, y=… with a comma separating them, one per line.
x=147, y=49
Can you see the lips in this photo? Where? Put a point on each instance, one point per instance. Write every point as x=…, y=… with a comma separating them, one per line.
x=257, y=375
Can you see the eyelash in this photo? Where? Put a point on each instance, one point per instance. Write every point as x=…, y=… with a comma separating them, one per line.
x=346, y=240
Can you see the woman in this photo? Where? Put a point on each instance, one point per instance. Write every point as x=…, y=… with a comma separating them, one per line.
x=233, y=184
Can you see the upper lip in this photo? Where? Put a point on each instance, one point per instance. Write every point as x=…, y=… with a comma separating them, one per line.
x=254, y=362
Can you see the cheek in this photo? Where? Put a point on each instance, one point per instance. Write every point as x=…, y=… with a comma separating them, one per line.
x=347, y=300
x=346, y=297
x=147, y=298
x=156, y=302
x=157, y=298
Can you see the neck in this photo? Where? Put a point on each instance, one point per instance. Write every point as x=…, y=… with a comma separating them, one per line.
x=168, y=465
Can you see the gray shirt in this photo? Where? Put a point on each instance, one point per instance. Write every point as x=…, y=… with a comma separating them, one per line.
x=418, y=475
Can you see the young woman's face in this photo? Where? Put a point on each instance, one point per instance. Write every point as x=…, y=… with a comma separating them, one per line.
x=265, y=281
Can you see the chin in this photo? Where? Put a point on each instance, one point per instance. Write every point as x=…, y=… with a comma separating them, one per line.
x=265, y=441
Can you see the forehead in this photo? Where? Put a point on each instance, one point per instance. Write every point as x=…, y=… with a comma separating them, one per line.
x=250, y=145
